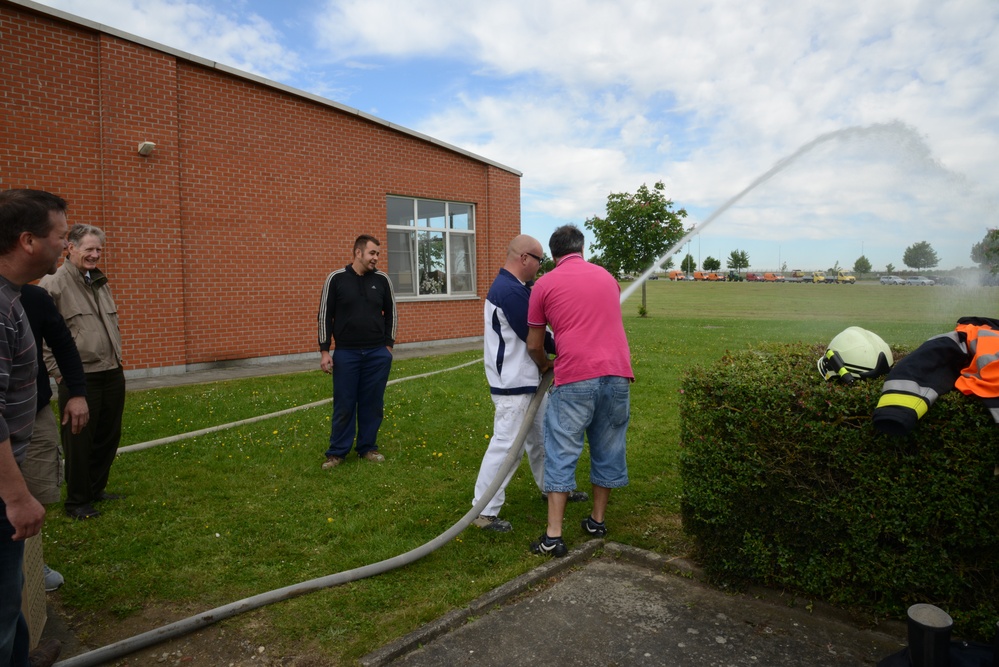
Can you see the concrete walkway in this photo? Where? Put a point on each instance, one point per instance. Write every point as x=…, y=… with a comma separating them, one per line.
x=610, y=604
x=252, y=368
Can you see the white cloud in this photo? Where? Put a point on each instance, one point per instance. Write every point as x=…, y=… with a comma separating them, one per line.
x=242, y=40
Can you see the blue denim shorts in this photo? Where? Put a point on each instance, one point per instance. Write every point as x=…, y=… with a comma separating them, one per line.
x=598, y=409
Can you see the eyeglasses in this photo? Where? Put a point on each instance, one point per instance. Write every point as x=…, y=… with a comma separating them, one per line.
x=531, y=254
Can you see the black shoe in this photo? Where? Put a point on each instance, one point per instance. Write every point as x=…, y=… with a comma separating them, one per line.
x=45, y=654
x=104, y=495
x=549, y=546
x=593, y=528
x=574, y=497
x=82, y=512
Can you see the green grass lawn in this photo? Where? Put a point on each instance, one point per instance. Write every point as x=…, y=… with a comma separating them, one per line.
x=218, y=518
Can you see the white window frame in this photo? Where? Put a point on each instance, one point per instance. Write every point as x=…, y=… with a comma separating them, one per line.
x=415, y=225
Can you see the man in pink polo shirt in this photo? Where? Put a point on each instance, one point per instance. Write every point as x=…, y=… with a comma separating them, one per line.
x=591, y=397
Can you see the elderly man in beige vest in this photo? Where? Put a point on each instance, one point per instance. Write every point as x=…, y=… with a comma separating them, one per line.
x=83, y=297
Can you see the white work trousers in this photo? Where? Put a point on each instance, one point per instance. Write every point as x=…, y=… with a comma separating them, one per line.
x=510, y=411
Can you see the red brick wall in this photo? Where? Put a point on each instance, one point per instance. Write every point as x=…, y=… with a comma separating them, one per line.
x=218, y=244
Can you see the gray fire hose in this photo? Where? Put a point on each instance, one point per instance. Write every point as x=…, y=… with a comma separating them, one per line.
x=192, y=623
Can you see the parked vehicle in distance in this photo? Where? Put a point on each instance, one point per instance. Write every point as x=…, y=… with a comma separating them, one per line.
x=891, y=280
x=754, y=277
x=734, y=277
x=676, y=274
x=797, y=276
x=773, y=278
x=818, y=276
x=700, y=275
x=715, y=277
x=918, y=280
x=845, y=278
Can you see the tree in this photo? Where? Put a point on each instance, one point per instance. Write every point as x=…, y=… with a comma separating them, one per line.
x=738, y=260
x=637, y=230
x=711, y=264
x=688, y=265
x=985, y=253
x=862, y=266
x=920, y=256
x=890, y=268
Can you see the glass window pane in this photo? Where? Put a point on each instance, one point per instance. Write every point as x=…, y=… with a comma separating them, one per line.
x=401, y=251
x=430, y=213
x=400, y=212
x=462, y=263
x=460, y=216
x=432, y=263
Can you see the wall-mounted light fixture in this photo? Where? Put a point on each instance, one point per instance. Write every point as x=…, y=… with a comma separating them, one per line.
x=146, y=148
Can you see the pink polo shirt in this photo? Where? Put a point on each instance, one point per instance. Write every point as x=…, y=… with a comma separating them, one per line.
x=581, y=302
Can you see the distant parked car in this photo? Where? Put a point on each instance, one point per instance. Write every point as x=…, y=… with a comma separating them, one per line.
x=754, y=277
x=773, y=278
x=845, y=278
x=918, y=280
x=891, y=280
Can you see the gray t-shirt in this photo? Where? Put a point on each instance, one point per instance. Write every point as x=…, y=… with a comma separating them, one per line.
x=18, y=371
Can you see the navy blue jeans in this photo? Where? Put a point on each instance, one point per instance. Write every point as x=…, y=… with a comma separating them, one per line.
x=359, y=379
x=13, y=627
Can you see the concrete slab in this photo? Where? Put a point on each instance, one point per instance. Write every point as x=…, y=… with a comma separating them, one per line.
x=629, y=607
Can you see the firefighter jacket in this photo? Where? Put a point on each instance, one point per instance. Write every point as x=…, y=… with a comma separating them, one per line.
x=966, y=359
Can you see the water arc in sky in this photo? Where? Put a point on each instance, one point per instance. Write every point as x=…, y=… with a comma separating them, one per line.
x=895, y=130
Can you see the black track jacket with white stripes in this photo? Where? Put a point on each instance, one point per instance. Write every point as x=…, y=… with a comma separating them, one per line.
x=357, y=312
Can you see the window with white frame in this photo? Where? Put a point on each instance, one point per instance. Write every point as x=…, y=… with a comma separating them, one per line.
x=431, y=247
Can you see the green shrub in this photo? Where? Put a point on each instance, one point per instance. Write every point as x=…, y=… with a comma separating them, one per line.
x=786, y=483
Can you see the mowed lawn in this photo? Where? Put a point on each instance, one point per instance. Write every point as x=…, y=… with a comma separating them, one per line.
x=218, y=518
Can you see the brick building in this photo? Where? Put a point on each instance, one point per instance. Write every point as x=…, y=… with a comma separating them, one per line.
x=220, y=239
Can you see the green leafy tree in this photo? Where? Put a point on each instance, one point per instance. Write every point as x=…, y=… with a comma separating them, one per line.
x=637, y=230
x=711, y=264
x=920, y=255
x=985, y=253
x=890, y=268
x=738, y=260
x=601, y=260
x=688, y=265
x=862, y=266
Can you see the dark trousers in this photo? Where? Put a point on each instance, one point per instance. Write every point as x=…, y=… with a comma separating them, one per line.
x=359, y=379
x=90, y=453
x=13, y=627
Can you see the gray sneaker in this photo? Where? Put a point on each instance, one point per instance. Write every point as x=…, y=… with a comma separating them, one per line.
x=332, y=462
x=493, y=523
x=53, y=579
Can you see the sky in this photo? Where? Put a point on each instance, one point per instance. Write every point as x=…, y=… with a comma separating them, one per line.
x=806, y=134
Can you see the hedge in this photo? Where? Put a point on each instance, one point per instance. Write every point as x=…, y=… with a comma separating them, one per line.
x=787, y=484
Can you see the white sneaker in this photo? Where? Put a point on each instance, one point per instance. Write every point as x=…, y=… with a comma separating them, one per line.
x=53, y=579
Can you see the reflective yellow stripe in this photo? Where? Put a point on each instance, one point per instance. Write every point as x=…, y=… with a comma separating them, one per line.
x=914, y=403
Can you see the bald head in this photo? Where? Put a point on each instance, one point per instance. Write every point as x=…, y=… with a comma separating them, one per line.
x=523, y=257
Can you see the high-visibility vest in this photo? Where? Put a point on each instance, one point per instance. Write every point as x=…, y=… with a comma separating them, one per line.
x=966, y=359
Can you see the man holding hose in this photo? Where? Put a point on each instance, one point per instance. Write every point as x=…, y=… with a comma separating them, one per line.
x=512, y=375
x=580, y=302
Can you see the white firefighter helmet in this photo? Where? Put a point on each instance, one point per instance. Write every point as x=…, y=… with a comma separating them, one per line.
x=853, y=353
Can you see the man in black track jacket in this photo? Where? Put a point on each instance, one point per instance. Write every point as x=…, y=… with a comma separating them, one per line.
x=357, y=315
